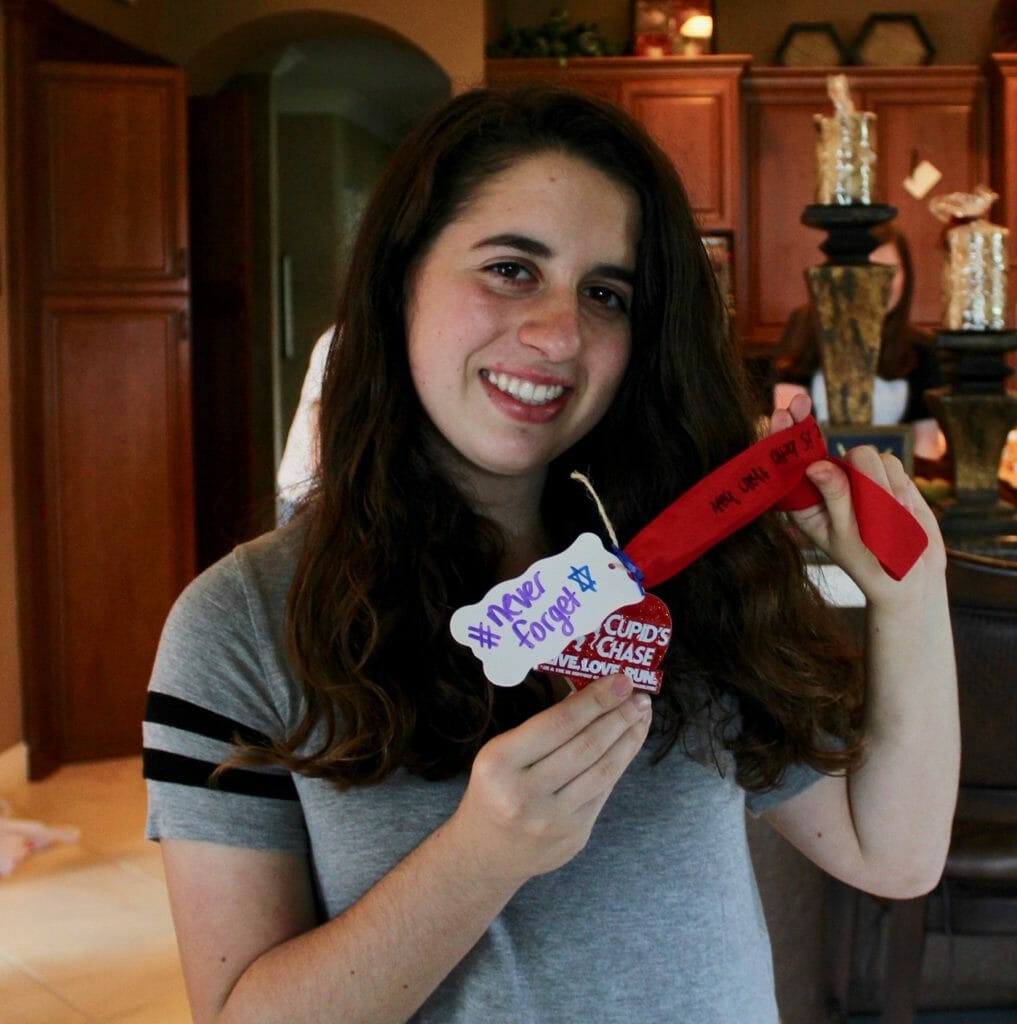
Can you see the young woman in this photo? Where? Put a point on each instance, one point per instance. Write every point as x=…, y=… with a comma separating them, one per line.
x=907, y=366
x=388, y=837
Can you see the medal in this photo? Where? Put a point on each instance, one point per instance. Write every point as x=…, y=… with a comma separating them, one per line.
x=585, y=612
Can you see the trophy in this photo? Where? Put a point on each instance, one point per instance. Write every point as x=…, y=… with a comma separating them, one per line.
x=849, y=294
x=974, y=409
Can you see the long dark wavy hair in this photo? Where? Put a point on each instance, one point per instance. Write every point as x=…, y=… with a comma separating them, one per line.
x=392, y=547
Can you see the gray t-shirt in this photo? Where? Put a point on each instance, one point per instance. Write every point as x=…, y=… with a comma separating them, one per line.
x=657, y=920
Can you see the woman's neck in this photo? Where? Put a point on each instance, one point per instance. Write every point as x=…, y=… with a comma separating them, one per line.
x=514, y=503
x=517, y=510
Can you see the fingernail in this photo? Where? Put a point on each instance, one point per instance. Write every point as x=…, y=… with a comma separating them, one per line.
x=641, y=700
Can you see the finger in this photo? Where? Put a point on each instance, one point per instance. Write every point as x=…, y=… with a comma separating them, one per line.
x=905, y=491
x=797, y=409
x=780, y=420
x=562, y=766
x=866, y=459
x=901, y=485
x=547, y=731
x=921, y=509
x=589, y=790
x=800, y=407
x=835, y=515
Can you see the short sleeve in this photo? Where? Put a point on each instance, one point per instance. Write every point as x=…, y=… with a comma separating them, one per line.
x=797, y=779
x=217, y=678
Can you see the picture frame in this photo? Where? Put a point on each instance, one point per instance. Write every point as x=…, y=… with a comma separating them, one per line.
x=897, y=439
x=811, y=44
x=720, y=248
x=667, y=28
x=886, y=40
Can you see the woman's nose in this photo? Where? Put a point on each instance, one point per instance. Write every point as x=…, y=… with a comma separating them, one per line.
x=552, y=327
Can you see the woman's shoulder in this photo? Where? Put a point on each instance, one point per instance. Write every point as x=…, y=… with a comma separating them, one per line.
x=269, y=561
x=248, y=585
x=221, y=672
x=223, y=643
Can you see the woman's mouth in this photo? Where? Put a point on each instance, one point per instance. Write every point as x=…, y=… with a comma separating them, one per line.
x=524, y=391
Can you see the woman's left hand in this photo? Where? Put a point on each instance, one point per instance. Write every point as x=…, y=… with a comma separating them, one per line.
x=832, y=526
x=885, y=826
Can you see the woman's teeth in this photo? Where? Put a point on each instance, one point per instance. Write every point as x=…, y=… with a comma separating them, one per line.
x=525, y=390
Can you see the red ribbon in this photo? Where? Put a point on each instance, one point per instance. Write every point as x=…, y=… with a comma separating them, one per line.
x=770, y=474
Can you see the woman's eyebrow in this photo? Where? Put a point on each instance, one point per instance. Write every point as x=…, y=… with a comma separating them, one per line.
x=521, y=242
x=530, y=246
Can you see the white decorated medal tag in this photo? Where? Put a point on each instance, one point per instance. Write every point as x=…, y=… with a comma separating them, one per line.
x=532, y=618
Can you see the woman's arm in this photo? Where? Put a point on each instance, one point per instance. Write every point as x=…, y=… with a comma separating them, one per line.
x=886, y=827
x=245, y=919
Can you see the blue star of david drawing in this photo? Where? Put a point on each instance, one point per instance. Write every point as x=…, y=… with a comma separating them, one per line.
x=583, y=578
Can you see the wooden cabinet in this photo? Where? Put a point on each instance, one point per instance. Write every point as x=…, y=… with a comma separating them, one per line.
x=104, y=462
x=744, y=142
x=114, y=140
x=116, y=477
x=689, y=106
x=695, y=121
x=939, y=114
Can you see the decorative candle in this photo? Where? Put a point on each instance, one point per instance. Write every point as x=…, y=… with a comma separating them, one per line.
x=977, y=262
x=845, y=150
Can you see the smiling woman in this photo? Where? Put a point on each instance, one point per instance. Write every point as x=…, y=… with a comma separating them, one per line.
x=354, y=820
x=518, y=338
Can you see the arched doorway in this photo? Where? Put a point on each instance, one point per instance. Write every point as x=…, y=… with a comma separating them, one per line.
x=283, y=157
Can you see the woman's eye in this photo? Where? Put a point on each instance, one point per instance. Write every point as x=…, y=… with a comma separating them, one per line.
x=607, y=297
x=510, y=270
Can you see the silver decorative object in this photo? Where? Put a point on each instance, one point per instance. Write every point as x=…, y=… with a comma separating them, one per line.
x=845, y=150
x=975, y=287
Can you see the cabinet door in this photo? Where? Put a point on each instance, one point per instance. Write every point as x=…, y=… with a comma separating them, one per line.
x=946, y=125
x=934, y=114
x=117, y=491
x=690, y=107
x=780, y=181
x=113, y=158
x=695, y=121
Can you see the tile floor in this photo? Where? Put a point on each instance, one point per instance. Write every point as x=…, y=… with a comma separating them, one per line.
x=85, y=929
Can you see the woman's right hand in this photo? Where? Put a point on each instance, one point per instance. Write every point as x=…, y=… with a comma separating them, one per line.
x=246, y=918
x=536, y=790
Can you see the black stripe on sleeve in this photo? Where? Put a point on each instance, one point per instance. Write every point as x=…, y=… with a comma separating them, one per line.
x=163, y=766
x=165, y=709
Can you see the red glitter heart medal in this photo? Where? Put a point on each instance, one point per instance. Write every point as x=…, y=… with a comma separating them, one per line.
x=632, y=639
x=585, y=613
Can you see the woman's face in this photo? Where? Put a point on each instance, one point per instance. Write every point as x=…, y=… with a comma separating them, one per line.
x=518, y=315
x=888, y=255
